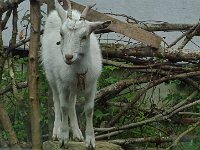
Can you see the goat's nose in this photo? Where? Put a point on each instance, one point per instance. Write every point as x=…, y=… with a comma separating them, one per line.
x=68, y=56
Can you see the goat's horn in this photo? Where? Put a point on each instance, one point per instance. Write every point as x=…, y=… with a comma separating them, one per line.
x=69, y=11
x=84, y=13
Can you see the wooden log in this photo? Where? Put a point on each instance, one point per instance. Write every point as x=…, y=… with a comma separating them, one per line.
x=122, y=51
x=129, y=30
x=33, y=74
x=54, y=145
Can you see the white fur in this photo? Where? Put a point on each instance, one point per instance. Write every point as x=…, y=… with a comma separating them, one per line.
x=62, y=77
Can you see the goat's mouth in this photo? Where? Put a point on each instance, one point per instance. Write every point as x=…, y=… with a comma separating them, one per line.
x=69, y=62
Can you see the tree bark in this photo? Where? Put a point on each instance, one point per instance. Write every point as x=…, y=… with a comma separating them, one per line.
x=7, y=125
x=33, y=74
x=4, y=6
x=123, y=51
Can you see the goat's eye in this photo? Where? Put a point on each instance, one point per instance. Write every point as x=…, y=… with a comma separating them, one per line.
x=84, y=37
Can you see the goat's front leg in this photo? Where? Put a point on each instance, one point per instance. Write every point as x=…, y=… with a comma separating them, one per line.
x=57, y=121
x=64, y=131
x=89, y=108
x=77, y=134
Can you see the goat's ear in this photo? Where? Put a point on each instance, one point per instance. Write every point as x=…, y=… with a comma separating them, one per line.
x=99, y=25
x=61, y=12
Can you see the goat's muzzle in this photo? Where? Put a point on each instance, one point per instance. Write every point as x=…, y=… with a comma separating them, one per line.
x=68, y=59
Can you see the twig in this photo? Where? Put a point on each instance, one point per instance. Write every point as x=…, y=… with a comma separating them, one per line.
x=108, y=135
x=141, y=92
x=189, y=36
x=165, y=115
x=9, y=87
x=157, y=140
x=5, y=20
x=179, y=38
x=6, y=123
x=125, y=16
x=183, y=134
x=189, y=113
x=104, y=93
x=10, y=60
x=4, y=6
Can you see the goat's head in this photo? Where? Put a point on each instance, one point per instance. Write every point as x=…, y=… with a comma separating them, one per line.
x=75, y=33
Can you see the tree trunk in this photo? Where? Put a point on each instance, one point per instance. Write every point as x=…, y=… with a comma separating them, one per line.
x=6, y=123
x=33, y=74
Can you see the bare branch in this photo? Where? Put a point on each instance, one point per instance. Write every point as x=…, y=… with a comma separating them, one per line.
x=122, y=51
x=179, y=38
x=104, y=94
x=189, y=36
x=157, y=140
x=141, y=92
x=165, y=115
x=183, y=134
x=9, y=87
x=5, y=20
x=4, y=6
x=6, y=123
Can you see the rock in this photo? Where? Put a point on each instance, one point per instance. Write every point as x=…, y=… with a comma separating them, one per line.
x=100, y=145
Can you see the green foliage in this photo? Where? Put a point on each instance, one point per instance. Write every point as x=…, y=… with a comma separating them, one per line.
x=108, y=76
x=102, y=114
x=21, y=119
x=189, y=145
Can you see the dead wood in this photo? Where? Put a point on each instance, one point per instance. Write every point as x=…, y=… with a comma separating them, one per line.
x=160, y=117
x=118, y=26
x=166, y=27
x=33, y=74
x=123, y=51
x=5, y=20
x=157, y=140
x=105, y=93
x=175, y=142
x=8, y=88
x=141, y=92
x=4, y=6
x=7, y=125
x=184, y=34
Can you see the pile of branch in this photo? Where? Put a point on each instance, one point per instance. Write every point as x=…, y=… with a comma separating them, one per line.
x=155, y=65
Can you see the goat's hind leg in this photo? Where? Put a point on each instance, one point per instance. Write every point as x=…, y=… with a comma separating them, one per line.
x=89, y=108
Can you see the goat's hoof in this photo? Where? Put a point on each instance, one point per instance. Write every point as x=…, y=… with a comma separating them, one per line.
x=77, y=139
x=54, y=138
x=63, y=139
x=90, y=147
x=77, y=136
x=64, y=144
x=90, y=143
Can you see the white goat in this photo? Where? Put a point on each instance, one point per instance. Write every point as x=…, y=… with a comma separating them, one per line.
x=72, y=61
